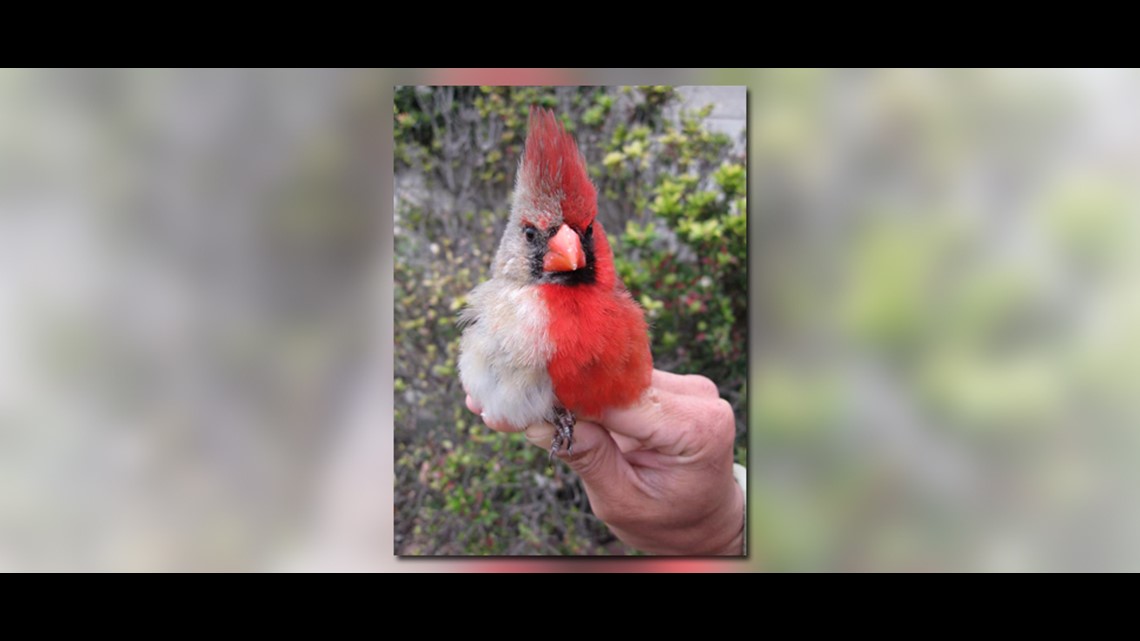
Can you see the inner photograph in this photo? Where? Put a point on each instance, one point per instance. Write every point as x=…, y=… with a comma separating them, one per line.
x=571, y=307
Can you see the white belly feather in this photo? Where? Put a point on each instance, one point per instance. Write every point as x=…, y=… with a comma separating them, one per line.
x=504, y=353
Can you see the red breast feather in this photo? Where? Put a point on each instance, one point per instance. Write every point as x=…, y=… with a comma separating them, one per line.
x=601, y=342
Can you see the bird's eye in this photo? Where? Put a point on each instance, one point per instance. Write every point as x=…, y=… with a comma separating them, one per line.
x=589, y=229
x=531, y=233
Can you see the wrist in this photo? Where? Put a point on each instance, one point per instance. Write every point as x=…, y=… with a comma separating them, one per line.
x=736, y=520
x=721, y=532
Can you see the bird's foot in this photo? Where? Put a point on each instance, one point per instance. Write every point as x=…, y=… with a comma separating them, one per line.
x=563, y=431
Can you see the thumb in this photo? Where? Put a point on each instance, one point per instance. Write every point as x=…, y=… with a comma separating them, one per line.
x=596, y=458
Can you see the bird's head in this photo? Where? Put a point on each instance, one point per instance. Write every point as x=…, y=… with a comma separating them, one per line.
x=552, y=236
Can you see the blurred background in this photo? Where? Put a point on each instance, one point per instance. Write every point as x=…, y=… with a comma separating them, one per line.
x=197, y=332
x=669, y=166
x=187, y=294
x=946, y=371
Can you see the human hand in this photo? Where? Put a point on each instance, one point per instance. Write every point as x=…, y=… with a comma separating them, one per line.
x=659, y=473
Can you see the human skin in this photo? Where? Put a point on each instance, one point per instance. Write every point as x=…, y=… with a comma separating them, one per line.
x=659, y=473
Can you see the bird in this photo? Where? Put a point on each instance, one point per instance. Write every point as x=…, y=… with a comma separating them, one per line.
x=553, y=334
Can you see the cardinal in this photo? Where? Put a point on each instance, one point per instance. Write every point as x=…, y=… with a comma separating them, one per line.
x=553, y=334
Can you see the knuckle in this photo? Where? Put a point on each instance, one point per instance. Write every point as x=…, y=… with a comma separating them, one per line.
x=703, y=386
x=694, y=416
x=724, y=421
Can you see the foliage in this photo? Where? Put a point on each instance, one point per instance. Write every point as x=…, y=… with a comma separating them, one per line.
x=671, y=199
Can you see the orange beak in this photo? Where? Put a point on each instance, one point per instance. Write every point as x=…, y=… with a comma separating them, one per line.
x=564, y=252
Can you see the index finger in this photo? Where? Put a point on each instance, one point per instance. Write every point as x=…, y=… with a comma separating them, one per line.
x=685, y=384
x=642, y=420
x=669, y=423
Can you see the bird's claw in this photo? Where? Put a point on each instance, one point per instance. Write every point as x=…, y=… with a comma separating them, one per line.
x=563, y=432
